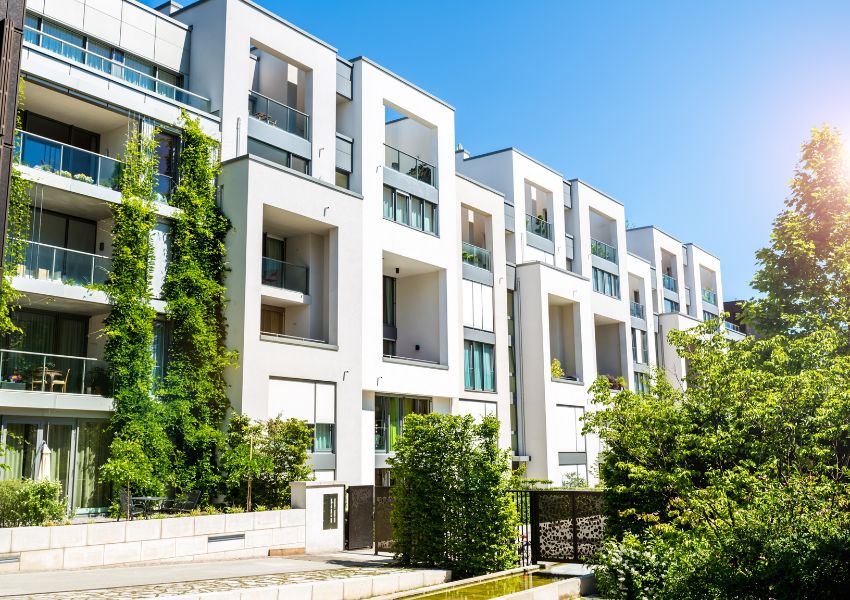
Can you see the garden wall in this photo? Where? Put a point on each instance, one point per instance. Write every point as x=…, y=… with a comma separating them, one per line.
x=176, y=539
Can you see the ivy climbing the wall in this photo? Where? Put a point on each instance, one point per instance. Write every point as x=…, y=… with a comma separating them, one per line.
x=17, y=233
x=194, y=391
x=129, y=326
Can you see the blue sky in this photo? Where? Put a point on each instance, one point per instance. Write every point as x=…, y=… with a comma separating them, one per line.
x=691, y=114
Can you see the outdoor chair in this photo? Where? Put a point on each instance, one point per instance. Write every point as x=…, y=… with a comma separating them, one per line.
x=186, y=504
x=125, y=500
x=58, y=381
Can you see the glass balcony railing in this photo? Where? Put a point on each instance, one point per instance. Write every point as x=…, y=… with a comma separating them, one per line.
x=117, y=69
x=75, y=163
x=732, y=327
x=284, y=275
x=278, y=115
x=475, y=256
x=397, y=160
x=71, y=267
x=37, y=372
x=638, y=310
x=538, y=226
x=709, y=296
x=669, y=283
x=603, y=250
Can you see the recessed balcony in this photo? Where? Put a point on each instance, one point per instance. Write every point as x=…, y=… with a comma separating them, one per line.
x=71, y=267
x=538, y=226
x=638, y=310
x=709, y=296
x=284, y=275
x=53, y=373
x=411, y=166
x=603, y=250
x=475, y=256
x=670, y=283
x=279, y=115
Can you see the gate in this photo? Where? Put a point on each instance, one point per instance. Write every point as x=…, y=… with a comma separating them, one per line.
x=359, y=517
x=383, y=528
x=522, y=499
x=566, y=525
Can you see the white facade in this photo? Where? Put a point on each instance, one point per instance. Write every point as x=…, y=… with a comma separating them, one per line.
x=375, y=271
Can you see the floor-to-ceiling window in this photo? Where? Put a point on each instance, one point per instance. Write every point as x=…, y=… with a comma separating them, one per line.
x=479, y=366
x=390, y=412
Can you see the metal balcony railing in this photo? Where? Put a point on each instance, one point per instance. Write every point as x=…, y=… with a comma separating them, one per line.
x=117, y=69
x=397, y=160
x=732, y=327
x=475, y=256
x=603, y=250
x=670, y=283
x=638, y=310
x=51, y=156
x=278, y=115
x=284, y=275
x=538, y=226
x=39, y=372
x=71, y=267
x=709, y=296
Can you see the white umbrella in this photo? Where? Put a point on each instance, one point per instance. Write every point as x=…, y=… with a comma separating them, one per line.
x=42, y=471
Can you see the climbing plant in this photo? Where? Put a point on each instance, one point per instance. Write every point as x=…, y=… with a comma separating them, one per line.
x=129, y=326
x=194, y=391
x=17, y=233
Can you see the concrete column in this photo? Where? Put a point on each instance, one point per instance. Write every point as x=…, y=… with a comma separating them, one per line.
x=323, y=502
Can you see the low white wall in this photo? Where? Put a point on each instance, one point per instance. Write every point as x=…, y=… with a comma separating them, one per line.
x=237, y=535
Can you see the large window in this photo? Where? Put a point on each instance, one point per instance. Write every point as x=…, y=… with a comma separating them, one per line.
x=410, y=210
x=477, y=305
x=279, y=156
x=158, y=352
x=708, y=316
x=641, y=383
x=670, y=306
x=310, y=401
x=479, y=366
x=388, y=309
x=606, y=283
x=390, y=412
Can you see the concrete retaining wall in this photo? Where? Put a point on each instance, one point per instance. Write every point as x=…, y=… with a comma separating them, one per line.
x=237, y=535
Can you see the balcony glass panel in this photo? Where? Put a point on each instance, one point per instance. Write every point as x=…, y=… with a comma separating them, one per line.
x=404, y=163
x=732, y=327
x=709, y=296
x=278, y=115
x=638, y=310
x=670, y=283
x=37, y=372
x=52, y=263
x=68, y=45
x=603, y=250
x=538, y=226
x=475, y=256
x=284, y=275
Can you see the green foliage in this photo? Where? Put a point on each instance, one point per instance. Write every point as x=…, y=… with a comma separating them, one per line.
x=24, y=502
x=129, y=326
x=557, y=369
x=263, y=457
x=194, y=390
x=129, y=466
x=804, y=274
x=451, y=508
x=735, y=487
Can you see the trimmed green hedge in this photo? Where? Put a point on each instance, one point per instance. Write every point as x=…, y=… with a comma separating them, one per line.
x=25, y=502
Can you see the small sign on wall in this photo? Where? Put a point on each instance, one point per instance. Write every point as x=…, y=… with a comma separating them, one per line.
x=329, y=511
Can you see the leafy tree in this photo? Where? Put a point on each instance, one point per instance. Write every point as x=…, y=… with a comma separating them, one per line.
x=194, y=390
x=804, y=273
x=129, y=467
x=451, y=508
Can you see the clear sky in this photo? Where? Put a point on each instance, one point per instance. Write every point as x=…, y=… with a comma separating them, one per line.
x=689, y=113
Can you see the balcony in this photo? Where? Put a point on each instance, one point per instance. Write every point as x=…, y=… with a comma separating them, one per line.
x=638, y=310
x=284, y=275
x=709, y=296
x=37, y=372
x=538, y=226
x=397, y=160
x=670, y=283
x=71, y=267
x=475, y=256
x=603, y=250
x=732, y=327
x=46, y=155
x=144, y=81
x=278, y=115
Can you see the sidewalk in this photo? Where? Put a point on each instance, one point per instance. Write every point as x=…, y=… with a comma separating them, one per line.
x=152, y=580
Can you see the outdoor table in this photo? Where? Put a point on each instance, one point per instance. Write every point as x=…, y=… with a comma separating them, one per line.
x=147, y=501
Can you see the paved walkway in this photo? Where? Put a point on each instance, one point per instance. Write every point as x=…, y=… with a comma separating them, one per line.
x=155, y=580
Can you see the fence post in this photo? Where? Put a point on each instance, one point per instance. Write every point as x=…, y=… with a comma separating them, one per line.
x=534, y=501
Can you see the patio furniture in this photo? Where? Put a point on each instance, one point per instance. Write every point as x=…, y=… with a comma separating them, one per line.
x=39, y=378
x=146, y=503
x=128, y=505
x=186, y=504
x=58, y=381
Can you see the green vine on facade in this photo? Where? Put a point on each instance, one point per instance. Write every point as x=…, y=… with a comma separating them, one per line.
x=17, y=233
x=129, y=326
x=194, y=391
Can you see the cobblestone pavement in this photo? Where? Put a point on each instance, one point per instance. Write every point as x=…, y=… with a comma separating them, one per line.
x=227, y=584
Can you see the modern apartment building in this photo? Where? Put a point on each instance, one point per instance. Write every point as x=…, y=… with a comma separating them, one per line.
x=376, y=270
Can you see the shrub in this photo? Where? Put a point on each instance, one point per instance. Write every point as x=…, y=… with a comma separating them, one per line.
x=25, y=502
x=631, y=569
x=451, y=508
x=557, y=369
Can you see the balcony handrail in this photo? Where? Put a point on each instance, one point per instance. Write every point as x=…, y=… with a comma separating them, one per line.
x=417, y=162
x=278, y=102
x=204, y=101
x=545, y=226
x=709, y=295
x=476, y=251
x=419, y=360
x=48, y=354
x=58, y=143
x=638, y=310
x=669, y=282
x=292, y=337
x=34, y=243
x=603, y=250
